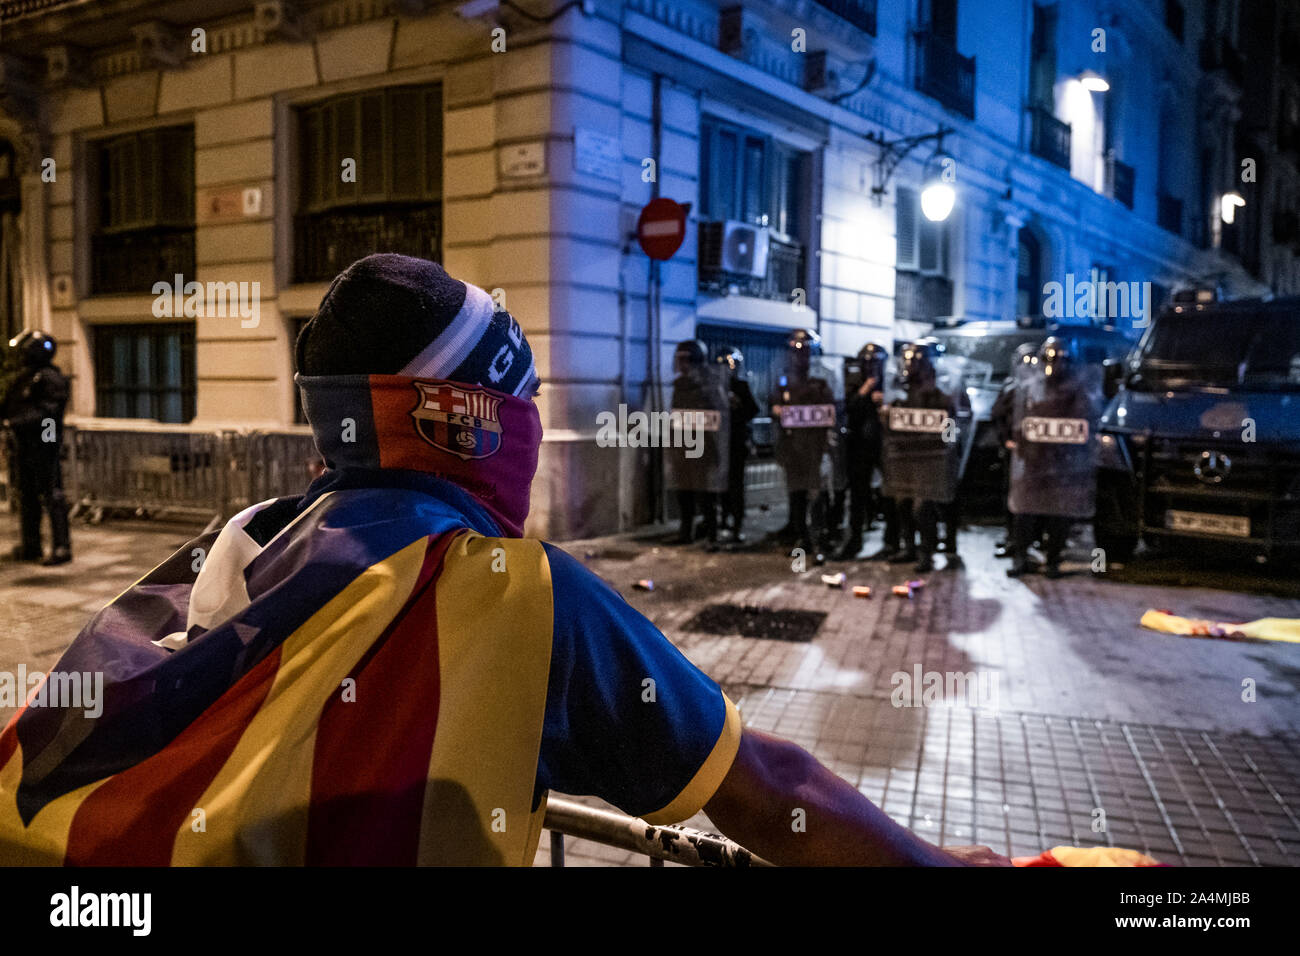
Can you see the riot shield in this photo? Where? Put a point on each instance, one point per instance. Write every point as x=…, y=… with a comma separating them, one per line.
x=699, y=431
x=1053, y=464
x=924, y=435
x=804, y=418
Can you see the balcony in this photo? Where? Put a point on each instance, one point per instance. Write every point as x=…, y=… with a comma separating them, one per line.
x=786, y=268
x=1169, y=213
x=1218, y=54
x=1119, y=181
x=129, y=263
x=1288, y=138
x=1049, y=138
x=944, y=74
x=921, y=298
x=860, y=13
x=325, y=243
x=1286, y=227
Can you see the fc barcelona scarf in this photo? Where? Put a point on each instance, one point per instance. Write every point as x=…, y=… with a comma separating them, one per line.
x=481, y=440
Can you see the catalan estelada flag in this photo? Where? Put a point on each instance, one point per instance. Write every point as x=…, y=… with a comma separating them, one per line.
x=359, y=681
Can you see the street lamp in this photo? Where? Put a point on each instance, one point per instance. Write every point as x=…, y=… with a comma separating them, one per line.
x=1094, y=82
x=937, y=194
x=1228, y=204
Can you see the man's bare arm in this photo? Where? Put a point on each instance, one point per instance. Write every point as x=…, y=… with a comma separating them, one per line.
x=772, y=778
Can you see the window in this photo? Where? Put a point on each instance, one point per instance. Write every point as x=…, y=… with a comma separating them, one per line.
x=144, y=210
x=923, y=290
x=371, y=168
x=1174, y=18
x=922, y=244
x=749, y=177
x=941, y=71
x=1029, y=274
x=746, y=175
x=145, y=371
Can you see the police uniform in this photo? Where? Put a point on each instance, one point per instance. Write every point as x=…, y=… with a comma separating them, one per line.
x=33, y=411
x=1053, y=464
x=921, y=460
x=697, y=469
x=862, y=442
x=743, y=411
x=799, y=449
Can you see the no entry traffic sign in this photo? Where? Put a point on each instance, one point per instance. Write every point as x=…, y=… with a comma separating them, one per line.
x=661, y=227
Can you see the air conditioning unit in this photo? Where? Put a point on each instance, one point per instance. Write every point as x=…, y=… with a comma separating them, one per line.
x=736, y=247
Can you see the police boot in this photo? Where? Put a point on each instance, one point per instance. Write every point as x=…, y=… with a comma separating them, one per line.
x=61, y=545
x=23, y=552
x=924, y=564
x=903, y=557
x=850, y=548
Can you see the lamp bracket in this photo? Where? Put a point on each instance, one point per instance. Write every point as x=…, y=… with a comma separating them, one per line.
x=893, y=152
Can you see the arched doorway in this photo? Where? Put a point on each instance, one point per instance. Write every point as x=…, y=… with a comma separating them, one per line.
x=1029, y=273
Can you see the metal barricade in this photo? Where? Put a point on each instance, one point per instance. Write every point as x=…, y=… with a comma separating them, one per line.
x=153, y=471
x=279, y=463
x=676, y=844
x=178, y=472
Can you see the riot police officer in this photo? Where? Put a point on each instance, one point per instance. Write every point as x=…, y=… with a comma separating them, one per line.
x=697, y=457
x=864, y=381
x=33, y=409
x=803, y=411
x=743, y=411
x=921, y=459
x=1053, y=464
x=1022, y=365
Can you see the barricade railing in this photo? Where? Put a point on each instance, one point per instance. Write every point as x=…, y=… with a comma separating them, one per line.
x=676, y=843
x=182, y=472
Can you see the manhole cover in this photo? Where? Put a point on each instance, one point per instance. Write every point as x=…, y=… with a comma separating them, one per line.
x=771, y=624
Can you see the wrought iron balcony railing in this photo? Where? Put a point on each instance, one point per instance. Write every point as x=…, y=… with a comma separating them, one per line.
x=1218, y=53
x=1049, y=137
x=1169, y=213
x=786, y=268
x=860, y=13
x=131, y=262
x=1119, y=181
x=944, y=74
x=325, y=243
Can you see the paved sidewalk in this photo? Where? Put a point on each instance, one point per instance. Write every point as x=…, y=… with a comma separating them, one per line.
x=1092, y=712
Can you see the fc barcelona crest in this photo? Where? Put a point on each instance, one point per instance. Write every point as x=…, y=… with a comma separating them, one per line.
x=462, y=421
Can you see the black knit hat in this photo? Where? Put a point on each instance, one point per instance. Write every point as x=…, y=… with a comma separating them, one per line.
x=396, y=315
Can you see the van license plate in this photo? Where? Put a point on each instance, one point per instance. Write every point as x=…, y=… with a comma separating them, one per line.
x=1232, y=525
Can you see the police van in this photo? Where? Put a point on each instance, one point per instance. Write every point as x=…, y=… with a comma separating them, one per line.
x=1201, y=439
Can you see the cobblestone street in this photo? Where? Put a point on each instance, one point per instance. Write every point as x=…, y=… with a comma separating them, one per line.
x=1087, y=710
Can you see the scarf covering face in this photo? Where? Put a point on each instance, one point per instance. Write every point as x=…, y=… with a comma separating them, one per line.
x=481, y=440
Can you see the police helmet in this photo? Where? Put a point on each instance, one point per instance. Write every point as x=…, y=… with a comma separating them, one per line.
x=691, y=352
x=733, y=360
x=34, y=347
x=801, y=340
x=916, y=364
x=1055, y=357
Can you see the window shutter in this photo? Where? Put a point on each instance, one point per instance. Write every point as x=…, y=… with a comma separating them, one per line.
x=433, y=143
x=408, y=136
x=930, y=247
x=906, y=207
x=375, y=149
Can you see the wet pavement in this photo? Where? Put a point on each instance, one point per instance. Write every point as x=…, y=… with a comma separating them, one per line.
x=1073, y=725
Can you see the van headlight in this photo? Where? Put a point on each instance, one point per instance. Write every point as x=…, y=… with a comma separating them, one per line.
x=1112, y=453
